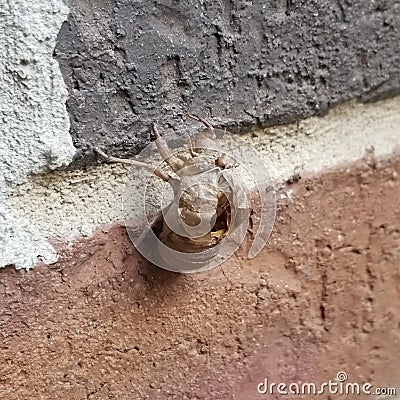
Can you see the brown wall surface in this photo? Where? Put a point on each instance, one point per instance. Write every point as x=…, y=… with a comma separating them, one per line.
x=322, y=297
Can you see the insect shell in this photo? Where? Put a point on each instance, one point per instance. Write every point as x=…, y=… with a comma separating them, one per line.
x=208, y=204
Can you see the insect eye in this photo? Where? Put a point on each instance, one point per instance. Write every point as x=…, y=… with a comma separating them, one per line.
x=219, y=163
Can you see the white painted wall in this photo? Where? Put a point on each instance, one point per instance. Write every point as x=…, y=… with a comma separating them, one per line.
x=34, y=128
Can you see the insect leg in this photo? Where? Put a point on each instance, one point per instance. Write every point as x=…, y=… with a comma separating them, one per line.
x=165, y=152
x=161, y=174
x=202, y=120
x=191, y=149
x=203, y=137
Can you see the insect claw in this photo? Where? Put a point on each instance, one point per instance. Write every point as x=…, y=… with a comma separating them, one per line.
x=165, y=152
x=155, y=130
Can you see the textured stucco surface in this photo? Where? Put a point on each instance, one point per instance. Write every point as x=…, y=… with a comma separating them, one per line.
x=34, y=126
x=245, y=64
x=72, y=203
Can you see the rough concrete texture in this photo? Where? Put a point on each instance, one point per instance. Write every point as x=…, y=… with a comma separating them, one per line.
x=34, y=125
x=66, y=204
x=244, y=64
x=322, y=297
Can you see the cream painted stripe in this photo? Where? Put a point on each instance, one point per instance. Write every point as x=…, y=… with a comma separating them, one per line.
x=342, y=136
x=66, y=204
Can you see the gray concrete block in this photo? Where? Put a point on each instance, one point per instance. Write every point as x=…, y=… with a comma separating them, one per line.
x=244, y=64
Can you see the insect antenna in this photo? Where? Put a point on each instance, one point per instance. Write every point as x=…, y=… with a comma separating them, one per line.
x=202, y=120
